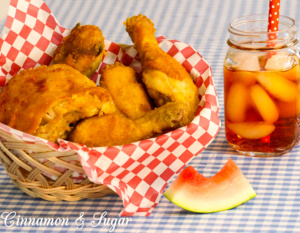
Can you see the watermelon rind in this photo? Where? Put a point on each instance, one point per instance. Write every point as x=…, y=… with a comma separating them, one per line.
x=228, y=189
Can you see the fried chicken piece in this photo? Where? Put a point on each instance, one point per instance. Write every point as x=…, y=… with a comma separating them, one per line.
x=83, y=49
x=47, y=101
x=127, y=91
x=164, y=77
x=116, y=129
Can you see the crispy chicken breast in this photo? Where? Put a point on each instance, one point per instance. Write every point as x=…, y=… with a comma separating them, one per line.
x=48, y=100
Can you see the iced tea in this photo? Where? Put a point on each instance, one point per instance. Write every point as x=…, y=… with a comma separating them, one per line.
x=262, y=108
x=261, y=86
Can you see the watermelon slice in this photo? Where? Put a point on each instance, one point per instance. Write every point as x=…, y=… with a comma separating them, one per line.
x=225, y=190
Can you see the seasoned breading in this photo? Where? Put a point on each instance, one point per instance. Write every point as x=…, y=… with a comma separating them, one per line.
x=83, y=49
x=164, y=77
x=47, y=101
x=127, y=91
x=116, y=129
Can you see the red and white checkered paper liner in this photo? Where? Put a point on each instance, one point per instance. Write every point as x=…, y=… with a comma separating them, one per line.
x=137, y=172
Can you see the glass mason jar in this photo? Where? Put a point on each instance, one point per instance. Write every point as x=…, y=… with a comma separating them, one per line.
x=261, y=86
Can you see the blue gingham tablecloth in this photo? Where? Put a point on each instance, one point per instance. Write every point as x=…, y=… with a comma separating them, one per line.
x=203, y=25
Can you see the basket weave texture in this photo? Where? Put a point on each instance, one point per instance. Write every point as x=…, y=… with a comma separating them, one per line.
x=27, y=163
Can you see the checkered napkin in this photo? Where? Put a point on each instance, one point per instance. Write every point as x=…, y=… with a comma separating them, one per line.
x=137, y=172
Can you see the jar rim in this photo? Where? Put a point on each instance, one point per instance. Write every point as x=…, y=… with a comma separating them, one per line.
x=259, y=17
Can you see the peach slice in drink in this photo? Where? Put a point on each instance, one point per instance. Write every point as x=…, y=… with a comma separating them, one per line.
x=251, y=130
x=287, y=109
x=292, y=74
x=278, y=86
x=245, y=77
x=263, y=103
x=236, y=104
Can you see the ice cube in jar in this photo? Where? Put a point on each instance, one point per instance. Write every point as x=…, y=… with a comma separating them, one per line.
x=245, y=61
x=279, y=62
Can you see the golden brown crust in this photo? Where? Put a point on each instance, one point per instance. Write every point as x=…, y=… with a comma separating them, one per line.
x=31, y=94
x=127, y=91
x=161, y=61
x=116, y=129
x=142, y=32
x=165, y=78
x=83, y=49
x=107, y=130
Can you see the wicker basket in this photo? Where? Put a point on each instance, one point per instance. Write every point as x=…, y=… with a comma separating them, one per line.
x=22, y=162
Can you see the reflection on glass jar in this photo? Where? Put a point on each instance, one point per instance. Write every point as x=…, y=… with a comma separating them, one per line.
x=261, y=86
